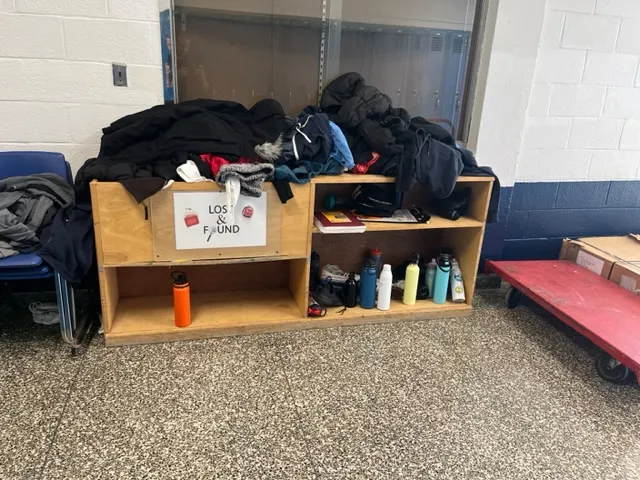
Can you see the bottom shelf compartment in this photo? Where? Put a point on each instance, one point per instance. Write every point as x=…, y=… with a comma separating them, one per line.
x=150, y=319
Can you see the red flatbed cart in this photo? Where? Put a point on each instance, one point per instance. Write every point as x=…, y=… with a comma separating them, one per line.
x=602, y=311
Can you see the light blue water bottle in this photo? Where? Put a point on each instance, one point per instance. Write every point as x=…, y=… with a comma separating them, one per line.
x=441, y=284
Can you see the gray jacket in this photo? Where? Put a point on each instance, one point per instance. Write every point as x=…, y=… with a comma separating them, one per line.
x=26, y=205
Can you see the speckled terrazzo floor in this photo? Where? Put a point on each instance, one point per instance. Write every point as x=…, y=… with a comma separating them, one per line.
x=503, y=394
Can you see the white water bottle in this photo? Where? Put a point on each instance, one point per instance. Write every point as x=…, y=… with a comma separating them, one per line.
x=384, y=291
x=457, y=287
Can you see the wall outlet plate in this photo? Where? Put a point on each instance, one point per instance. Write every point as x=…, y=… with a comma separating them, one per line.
x=119, y=74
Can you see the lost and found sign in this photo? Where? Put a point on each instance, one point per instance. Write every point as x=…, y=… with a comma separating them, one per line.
x=202, y=220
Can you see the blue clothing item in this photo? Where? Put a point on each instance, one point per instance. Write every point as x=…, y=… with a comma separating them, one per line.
x=340, y=150
x=297, y=175
x=305, y=171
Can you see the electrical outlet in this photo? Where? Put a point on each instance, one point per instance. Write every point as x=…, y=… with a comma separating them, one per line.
x=119, y=74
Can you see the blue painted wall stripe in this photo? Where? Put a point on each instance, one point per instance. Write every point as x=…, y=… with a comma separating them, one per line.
x=535, y=217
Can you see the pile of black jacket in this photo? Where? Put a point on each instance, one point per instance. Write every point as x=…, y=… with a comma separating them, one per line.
x=410, y=148
x=154, y=142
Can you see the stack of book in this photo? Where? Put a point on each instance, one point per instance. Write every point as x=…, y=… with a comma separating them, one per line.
x=338, y=222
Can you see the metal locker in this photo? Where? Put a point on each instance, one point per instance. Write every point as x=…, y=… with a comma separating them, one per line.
x=456, y=63
x=391, y=56
x=462, y=76
x=415, y=94
x=434, y=75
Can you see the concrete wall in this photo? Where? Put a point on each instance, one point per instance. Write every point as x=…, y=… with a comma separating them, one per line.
x=56, y=84
x=583, y=120
x=563, y=135
x=499, y=118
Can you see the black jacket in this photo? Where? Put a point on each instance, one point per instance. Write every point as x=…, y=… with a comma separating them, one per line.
x=70, y=248
x=359, y=109
x=349, y=101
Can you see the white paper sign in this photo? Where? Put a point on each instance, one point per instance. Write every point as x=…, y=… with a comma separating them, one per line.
x=628, y=283
x=202, y=221
x=590, y=262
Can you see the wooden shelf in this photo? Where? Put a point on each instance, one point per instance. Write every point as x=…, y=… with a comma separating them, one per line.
x=213, y=261
x=422, y=309
x=353, y=178
x=434, y=223
x=151, y=319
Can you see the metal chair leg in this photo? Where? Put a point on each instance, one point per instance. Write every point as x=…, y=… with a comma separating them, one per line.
x=73, y=333
x=72, y=306
x=61, y=295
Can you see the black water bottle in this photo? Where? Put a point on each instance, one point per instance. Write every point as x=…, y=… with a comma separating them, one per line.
x=350, y=291
x=314, y=276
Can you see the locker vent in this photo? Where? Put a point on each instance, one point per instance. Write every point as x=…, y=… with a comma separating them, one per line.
x=437, y=44
x=417, y=43
x=458, y=45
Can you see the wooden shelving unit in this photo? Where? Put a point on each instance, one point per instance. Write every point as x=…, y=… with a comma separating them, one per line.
x=257, y=291
x=435, y=223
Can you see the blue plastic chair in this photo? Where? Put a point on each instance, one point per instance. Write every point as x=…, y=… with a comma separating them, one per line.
x=29, y=266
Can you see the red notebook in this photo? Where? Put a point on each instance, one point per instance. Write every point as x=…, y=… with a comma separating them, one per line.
x=338, y=222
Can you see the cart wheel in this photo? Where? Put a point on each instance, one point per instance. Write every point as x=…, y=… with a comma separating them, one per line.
x=513, y=297
x=612, y=370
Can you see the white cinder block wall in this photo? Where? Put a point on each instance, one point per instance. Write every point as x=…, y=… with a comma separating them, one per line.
x=583, y=117
x=501, y=113
x=56, y=84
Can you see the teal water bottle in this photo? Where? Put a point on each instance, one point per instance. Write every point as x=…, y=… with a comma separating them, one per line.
x=441, y=283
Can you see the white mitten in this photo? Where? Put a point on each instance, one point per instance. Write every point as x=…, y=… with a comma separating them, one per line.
x=232, y=187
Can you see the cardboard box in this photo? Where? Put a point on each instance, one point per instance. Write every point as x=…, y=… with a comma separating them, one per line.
x=627, y=275
x=625, y=248
x=601, y=254
x=589, y=257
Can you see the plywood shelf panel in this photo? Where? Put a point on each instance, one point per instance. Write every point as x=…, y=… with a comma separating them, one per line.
x=353, y=178
x=435, y=223
x=213, y=261
x=150, y=319
x=422, y=309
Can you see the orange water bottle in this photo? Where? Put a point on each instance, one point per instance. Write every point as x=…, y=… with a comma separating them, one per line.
x=181, y=299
